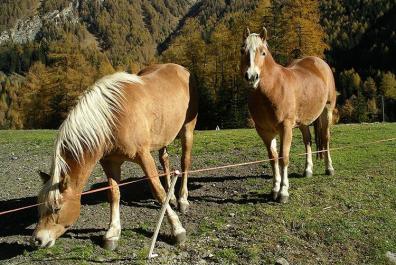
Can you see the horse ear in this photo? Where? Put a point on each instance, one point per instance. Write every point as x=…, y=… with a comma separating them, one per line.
x=44, y=176
x=263, y=34
x=64, y=183
x=246, y=33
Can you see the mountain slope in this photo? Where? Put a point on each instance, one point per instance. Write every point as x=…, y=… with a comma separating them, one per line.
x=128, y=31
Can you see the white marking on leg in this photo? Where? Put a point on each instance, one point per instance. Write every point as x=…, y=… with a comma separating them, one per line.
x=309, y=165
x=174, y=221
x=275, y=169
x=114, y=231
x=285, y=183
x=328, y=161
x=183, y=195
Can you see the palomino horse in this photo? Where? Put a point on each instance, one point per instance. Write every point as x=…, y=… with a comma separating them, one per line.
x=122, y=117
x=287, y=97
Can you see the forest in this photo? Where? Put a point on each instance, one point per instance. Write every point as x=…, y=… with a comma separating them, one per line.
x=41, y=79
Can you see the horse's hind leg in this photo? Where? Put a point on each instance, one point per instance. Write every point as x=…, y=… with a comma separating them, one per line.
x=308, y=143
x=186, y=135
x=327, y=119
x=112, y=170
x=148, y=165
x=164, y=160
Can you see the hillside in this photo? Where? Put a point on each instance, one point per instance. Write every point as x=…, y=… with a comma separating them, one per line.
x=78, y=41
x=126, y=30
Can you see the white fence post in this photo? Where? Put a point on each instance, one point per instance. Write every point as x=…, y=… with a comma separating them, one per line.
x=162, y=213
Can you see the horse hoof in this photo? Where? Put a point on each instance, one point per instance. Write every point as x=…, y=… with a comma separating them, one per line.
x=330, y=172
x=183, y=207
x=173, y=202
x=180, y=238
x=110, y=244
x=283, y=199
x=274, y=195
x=307, y=174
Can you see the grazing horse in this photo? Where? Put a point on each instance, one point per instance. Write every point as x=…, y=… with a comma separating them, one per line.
x=121, y=117
x=287, y=97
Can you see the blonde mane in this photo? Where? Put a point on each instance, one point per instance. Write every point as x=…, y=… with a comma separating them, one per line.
x=254, y=41
x=89, y=126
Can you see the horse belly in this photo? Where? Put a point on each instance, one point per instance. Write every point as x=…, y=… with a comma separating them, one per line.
x=166, y=127
x=311, y=105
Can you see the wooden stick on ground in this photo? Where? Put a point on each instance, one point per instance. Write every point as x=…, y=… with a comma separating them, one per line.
x=162, y=213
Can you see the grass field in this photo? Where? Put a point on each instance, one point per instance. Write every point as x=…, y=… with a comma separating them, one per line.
x=349, y=218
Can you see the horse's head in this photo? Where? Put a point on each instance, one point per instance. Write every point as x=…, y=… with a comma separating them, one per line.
x=59, y=209
x=253, y=55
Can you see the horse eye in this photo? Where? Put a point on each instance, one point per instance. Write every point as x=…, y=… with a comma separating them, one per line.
x=263, y=53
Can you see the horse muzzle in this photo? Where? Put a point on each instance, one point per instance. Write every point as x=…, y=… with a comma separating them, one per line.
x=252, y=79
x=42, y=239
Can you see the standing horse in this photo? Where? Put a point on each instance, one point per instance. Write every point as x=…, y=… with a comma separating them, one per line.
x=287, y=97
x=122, y=117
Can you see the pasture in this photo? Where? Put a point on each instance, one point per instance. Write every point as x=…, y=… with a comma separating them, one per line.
x=348, y=218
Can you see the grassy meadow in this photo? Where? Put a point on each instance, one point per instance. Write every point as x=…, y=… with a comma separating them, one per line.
x=348, y=218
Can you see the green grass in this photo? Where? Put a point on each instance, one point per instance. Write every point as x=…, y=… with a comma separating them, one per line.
x=349, y=218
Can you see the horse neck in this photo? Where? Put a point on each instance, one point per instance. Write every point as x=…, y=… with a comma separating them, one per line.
x=79, y=171
x=269, y=72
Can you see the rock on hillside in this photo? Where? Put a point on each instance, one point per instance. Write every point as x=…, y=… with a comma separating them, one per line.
x=26, y=30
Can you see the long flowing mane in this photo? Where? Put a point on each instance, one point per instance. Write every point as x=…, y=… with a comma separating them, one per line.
x=88, y=126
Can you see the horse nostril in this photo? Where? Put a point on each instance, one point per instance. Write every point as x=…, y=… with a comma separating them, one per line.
x=37, y=242
x=256, y=76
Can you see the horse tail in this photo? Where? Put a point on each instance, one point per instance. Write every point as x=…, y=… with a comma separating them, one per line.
x=321, y=127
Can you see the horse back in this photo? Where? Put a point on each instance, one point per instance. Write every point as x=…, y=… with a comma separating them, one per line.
x=156, y=110
x=173, y=73
x=312, y=82
x=320, y=73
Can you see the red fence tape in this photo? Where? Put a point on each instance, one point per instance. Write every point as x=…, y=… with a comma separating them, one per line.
x=204, y=170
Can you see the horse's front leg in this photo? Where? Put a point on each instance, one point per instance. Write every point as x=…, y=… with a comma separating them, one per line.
x=112, y=170
x=269, y=140
x=273, y=155
x=286, y=138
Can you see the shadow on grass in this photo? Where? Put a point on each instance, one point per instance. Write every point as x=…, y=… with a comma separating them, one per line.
x=208, y=179
x=95, y=235
x=149, y=234
x=245, y=199
x=16, y=223
x=10, y=250
x=139, y=194
x=80, y=260
x=136, y=195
